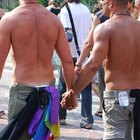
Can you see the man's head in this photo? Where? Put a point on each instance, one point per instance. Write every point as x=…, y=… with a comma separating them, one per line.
x=105, y=7
x=118, y=3
x=117, y=6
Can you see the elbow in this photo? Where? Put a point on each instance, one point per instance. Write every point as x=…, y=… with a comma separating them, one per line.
x=67, y=62
x=89, y=45
x=93, y=66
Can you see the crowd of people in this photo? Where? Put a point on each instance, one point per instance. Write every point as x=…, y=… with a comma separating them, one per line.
x=101, y=56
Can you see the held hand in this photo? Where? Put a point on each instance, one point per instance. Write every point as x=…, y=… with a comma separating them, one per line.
x=77, y=72
x=69, y=100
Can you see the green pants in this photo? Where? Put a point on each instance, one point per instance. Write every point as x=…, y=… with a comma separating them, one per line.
x=17, y=101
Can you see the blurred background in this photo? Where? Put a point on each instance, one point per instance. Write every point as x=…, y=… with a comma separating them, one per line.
x=8, y=5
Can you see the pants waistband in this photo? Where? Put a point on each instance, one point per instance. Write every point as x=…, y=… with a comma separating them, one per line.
x=114, y=93
x=52, y=83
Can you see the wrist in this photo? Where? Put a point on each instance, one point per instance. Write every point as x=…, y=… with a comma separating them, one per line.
x=72, y=91
x=78, y=65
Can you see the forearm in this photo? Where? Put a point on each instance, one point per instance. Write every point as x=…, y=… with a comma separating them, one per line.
x=88, y=45
x=85, y=76
x=68, y=72
x=85, y=52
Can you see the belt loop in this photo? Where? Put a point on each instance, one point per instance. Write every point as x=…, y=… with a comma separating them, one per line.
x=16, y=86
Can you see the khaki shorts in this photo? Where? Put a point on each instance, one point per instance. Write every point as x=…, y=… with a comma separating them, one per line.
x=117, y=120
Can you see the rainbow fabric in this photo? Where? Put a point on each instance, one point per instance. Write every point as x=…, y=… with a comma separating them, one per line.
x=54, y=128
x=45, y=124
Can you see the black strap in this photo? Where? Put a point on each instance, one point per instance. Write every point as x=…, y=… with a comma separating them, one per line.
x=73, y=29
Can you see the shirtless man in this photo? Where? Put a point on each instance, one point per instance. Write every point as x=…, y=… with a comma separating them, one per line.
x=116, y=41
x=33, y=33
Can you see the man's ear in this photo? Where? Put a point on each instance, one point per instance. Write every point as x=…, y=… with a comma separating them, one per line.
x=111, y=4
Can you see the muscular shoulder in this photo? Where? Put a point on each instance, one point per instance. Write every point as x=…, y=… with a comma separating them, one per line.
x=103, y=30
x=5, y=22
x=114, y=27
x=29, y=16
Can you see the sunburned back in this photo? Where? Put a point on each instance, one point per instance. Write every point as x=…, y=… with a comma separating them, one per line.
x=34, y=35
x=123, y=62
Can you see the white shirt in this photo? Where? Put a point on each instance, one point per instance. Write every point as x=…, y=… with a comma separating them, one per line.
x=82, y=22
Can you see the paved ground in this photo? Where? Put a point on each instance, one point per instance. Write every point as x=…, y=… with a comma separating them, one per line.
x=71, y=131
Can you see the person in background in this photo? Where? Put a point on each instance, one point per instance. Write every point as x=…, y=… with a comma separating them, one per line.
x=137, y=95
x=97, y=7
x=1, y=111
x=131, y=9
x=53, y=7
x=33, y=33
x=82, y=22
x=95, y=89
x=137, y=7
x=99, y=17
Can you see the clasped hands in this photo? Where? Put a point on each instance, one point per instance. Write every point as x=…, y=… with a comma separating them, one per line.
x=69, y=100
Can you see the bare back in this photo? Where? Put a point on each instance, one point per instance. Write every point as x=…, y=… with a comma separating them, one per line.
x=121, y=47
x=34, y=34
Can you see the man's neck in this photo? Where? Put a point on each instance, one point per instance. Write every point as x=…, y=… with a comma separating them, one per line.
x=119, y=12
